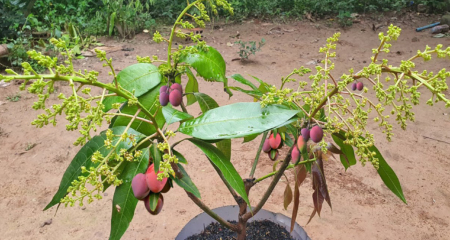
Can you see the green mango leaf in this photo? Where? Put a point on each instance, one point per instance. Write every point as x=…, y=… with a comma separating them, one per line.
x=156, y=156
x=388, y=175
x=250, y=138
x=253, y=93
x=180, y=157
x=185, y=182
x=293, y=130
x=153, y=200
x=151, y=102
x=288, y=122
x=349, y=158
x=241, y=79
x=172, y=115
x=225, y=147
x=124, y=197
x=226, y=167
x=209, y=64
x=178, y=79
x=236, y=120
x=140, y=77
x=191, y=87
x=83, y=158
x=289, y=142
x=206, y=102
x=259, y=80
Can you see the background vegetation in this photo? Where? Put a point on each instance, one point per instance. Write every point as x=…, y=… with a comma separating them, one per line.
x=78, y=20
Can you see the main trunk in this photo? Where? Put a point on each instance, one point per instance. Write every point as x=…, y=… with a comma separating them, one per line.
x=242, y=223
x=242, y=235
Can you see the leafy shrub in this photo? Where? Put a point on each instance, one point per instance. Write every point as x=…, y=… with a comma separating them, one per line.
x=136, y=108
x=247, y=48
x=11, y=17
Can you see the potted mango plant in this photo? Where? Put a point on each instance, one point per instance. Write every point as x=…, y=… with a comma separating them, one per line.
x=137, y=155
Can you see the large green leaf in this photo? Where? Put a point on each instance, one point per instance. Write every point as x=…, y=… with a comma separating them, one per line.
x=156, y=156
x=388, y=175
x=250, y=138
x=241, y=79
x=257, y=94
x=226, y=167
x=206, y=102
x=349, y=155
x=139, y=78
x=180, y=157
x=236, y=120
x=150, y=101
x=225, y=147
x=172, y=115
x=191, y=87
x=83, y=158
x=185, y=182
x=124, y=197
x=209, y=64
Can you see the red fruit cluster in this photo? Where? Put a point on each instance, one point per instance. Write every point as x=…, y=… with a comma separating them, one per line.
x=316, y=135
x=174, y=95
x=357, y=85
x=271, y=145
x=144, y=184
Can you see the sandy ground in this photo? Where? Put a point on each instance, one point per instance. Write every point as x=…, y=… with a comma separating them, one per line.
x=363, y=208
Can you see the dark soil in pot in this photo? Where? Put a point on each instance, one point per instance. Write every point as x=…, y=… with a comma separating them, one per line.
x=256, y=230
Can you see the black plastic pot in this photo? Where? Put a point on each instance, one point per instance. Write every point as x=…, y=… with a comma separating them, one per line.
x=230, y=213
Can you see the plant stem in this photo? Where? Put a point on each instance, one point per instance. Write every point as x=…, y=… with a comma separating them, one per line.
x=288, y=167
x=109, y=87
x=324, y=101
x=272, y=185
x=143, y=141
x=183, y=107
x=130, y=116
x=255, y=162
x=208, y=211
x=169, y=48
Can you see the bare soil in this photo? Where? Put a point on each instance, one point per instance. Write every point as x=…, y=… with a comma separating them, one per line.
x=363, y=208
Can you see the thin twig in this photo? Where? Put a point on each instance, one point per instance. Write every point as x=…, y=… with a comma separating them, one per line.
x=130, y=116
x=255, y=162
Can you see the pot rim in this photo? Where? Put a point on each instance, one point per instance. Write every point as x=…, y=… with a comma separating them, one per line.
x=197, y=224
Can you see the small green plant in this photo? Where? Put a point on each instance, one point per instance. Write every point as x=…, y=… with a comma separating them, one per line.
x=76, y=41
x=30, y=146
x=248, y=48
x=13, y=97
x=345, y=19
